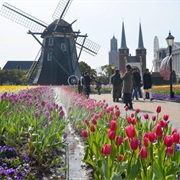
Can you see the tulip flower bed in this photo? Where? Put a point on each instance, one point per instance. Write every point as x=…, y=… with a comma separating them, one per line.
x=31, y=133
x=130, y=147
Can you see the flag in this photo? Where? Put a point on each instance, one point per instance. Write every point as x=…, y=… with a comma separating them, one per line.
x=165, y=68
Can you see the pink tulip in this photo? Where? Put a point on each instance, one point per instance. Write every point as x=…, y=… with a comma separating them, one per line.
x=84, y=133
x=134, y=143
x=94, y=121
x=92, y=128
x=151, y=136
x=158, y=110
x=176, y=137
x=143, y=152
x=130, y=131
x=106, y=149
x=120, y=157
x=111, y=134
x=146, y=140
x=126, y=108
x=118, y=113
x=129, y=120
x=168, y=140
x=170, y=150
x=87, y=122
x=137, y=110
x=153, y=118
x=166, y=117
x=146, y=116
x=119, y=140
x=159, y=131
x=113, y=125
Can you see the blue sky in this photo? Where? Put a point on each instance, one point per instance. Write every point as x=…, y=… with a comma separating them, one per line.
x=100, y=19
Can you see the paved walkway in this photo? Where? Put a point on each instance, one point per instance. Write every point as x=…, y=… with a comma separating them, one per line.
x=147, y=106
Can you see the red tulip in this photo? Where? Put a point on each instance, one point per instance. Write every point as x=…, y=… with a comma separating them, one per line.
x=92, y=128
x=143, y=152
x=146, y=140
x=170, y=150
x=151, y=136
x=126, y=108
x=168, y=141
x=174, y=130
x=106, y=150
x=159, y=131
x=133, y=122
x=137, y=110
x=129, y=120
x=118, y=113
x=134, y=143
x=87, y=122
x=130, y=131
x=94, y=121
x=132, y=115
x=120, y=157
x=146, y=116
x=119, y=140
x=84, y=133
x=176, y=137
x=166, y=117
x=111, y=134
x=153, y=118
x=158, y=110
x=113, y=125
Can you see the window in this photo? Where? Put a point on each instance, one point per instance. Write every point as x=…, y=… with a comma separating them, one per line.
x=49, y=56
x=51, y=42
x=18, y=67
x=63, y=46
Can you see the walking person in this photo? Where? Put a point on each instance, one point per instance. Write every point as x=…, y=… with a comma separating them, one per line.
x=136, y=83
x=80, y=84
x=127, y=88
x=87, y=84
x=98, y=86
x=117, y=86
x=147, y=84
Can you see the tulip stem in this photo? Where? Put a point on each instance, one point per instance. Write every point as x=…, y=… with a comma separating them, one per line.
x=130, y=161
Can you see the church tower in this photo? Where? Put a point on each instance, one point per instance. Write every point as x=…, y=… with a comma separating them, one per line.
x=123, y=51
x=113, y=53
x=141, y=51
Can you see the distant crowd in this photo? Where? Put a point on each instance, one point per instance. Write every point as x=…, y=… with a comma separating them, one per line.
x=126, y=86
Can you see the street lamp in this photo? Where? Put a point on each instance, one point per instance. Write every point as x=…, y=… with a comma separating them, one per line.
x=170, y=41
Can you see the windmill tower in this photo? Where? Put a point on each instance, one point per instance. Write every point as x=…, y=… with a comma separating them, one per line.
x=57, y=62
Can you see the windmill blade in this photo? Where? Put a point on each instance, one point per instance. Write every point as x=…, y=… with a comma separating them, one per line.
x=61, y=9
x=20, y=17
x=87, y=46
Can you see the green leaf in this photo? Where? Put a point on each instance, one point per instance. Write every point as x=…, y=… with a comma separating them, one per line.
x=105, y=169
x=135, y=170
x=116, y=176
x=157, y=170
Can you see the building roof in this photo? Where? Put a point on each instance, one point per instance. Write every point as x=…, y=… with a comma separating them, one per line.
x=23, y=65
x=140, y=42
x=123, y=38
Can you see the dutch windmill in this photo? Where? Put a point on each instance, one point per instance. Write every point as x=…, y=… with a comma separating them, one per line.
x=57, y=61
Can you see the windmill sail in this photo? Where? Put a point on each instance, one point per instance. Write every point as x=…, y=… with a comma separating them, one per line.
x=22, y=18
x=61, y=9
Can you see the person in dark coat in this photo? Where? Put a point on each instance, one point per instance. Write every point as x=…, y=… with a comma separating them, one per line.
x=80, y=84
x=116, y=81
x=147, y=84
x=87, y=84
x=127, y=88
x=136, y=83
